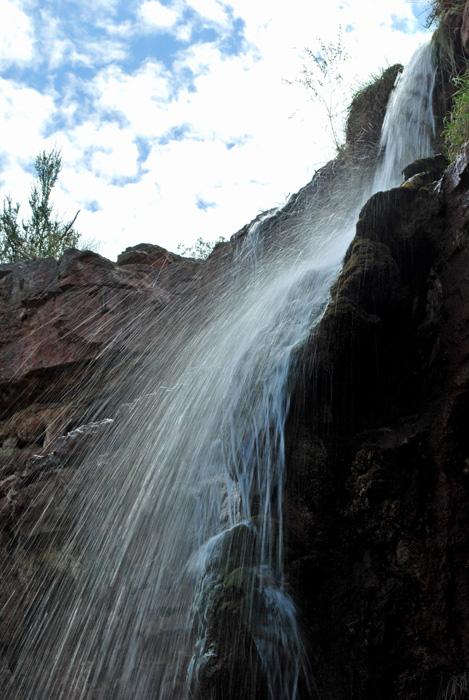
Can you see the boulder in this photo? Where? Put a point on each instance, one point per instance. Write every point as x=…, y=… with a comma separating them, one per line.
x=147, y=254
x=433, y=167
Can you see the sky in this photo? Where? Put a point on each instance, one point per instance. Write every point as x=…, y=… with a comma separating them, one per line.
x=179, y=119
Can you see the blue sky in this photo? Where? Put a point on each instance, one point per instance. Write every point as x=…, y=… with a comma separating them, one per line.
x=179, y=118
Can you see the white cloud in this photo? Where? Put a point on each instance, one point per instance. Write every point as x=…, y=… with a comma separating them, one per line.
x=142, y=98
x=183, y=32
x=58, y=49
x=24, y=114
x=155, y=15
x=210, y=10
x=123, y=30
x=100, y=52
x=16, y=34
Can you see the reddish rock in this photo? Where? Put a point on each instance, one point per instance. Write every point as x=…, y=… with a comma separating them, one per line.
x=59, y=317
x=147, y=254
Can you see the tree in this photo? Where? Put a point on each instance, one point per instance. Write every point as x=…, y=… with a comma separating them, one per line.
x=322, y=77
x=42, y=235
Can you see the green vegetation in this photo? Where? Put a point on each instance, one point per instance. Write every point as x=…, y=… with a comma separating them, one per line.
x=456, y=129
x=42, y=235
x=200, y=250
x=322, y=77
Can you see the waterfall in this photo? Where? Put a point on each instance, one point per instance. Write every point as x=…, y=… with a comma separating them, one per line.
x=409, y=126
x=179, y=529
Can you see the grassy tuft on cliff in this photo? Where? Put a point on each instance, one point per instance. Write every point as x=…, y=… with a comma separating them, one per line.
x=456, y=128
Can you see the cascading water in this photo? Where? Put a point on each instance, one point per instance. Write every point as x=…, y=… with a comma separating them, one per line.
x=409, y=126
x=180, y=590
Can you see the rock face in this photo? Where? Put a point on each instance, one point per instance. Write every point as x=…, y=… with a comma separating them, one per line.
x=378, y=488
x=74, y=324
x=74, y=338
x=377, y=444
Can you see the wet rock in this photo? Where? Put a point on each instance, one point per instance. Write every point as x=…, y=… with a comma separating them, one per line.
x=219, y=670
x=417, y=181
x=243, y=579
x=399, y=219
x=378, y=427
x=433, y=167
x=77, y=322
x=457, y=175
x=37, y=425
x=231, y=549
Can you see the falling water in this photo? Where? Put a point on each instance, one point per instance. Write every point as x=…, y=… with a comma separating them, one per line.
x=178, y=534
x=409, y=125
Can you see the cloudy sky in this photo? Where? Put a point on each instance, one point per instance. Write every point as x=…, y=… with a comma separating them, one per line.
x=179, y=118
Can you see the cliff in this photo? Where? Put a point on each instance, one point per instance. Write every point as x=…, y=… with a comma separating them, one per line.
x=378, y=487
x=377, y=446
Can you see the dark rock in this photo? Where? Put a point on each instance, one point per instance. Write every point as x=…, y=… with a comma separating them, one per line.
x=458, y=174
x=378, y=428
x=434, y=167
x=234, y=548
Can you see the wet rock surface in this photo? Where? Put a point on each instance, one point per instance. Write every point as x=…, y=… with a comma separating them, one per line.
x=64, y=322
x=75, y=336
x=378, y=489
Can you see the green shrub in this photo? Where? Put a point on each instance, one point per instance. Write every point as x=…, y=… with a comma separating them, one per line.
x=456, y=129
x=42, y=235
